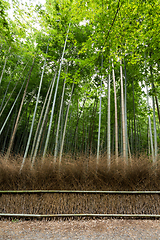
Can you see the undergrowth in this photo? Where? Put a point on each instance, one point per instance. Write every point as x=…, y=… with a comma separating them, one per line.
x=80, y=174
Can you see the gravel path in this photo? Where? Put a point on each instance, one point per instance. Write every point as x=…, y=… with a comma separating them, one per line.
x=82, y=229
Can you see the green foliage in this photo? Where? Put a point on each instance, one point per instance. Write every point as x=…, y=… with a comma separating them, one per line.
x=100, y=30
x=5, y=33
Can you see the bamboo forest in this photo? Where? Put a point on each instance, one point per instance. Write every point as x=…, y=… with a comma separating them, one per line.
x=80, y=94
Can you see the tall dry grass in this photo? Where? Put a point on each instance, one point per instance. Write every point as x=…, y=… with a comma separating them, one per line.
x=80, y=174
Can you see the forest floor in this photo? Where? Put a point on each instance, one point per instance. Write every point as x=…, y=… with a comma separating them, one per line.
x=81, y=229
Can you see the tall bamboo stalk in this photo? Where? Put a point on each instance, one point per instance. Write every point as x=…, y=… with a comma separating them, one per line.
x=5, y=93
x=44, y=120
x=40, y=119
x=100, y=103
x=125, y=109
x=13, y=91
x=158, y=111
x=154, y=122
x=4, y=66
x=65, y=125
x=116, y=118
x=59, y=119
x=123, y=114
x=34, y=115
x=91, y=125
x=12, y=107
x=9, y=84
x=6, y=136
x=135, y=135
x=109, y=126
x=76, y=128
x=20, y=109
x=55, y=95
x=149, y=122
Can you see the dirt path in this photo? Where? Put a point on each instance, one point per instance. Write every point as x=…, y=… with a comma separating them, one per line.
x=82, y=229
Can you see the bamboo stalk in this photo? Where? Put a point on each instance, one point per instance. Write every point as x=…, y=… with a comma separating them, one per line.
x=65, y=125
x=149, y=121
x=109, y=125
x=44, y=120
x=12, y=107
x=125, y=109
x=154, y=120
x=77, y=191
x=55, y=95
x=34, y=115
x=12, y=92
x=59, y=119
x=123, y=115
x=80, y=215
x=4, y=66
x=115, y=106
x=17, y=120
x=39, y=122
x=99, y=125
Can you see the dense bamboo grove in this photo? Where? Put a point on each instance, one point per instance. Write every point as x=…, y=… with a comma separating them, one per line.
x=79, y=78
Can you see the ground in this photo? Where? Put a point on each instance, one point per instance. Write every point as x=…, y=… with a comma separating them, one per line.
x=80, y=229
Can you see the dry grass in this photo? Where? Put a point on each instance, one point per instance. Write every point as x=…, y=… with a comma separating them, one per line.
x=80, y=174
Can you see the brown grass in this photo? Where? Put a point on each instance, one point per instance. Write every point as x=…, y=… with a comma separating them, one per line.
x=80, y=174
